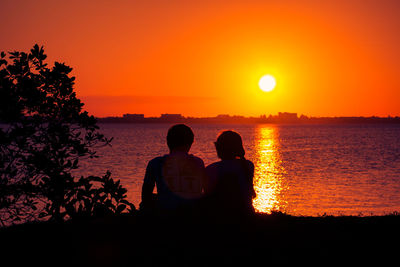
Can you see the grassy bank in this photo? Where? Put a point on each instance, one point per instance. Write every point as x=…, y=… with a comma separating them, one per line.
x=266, y=240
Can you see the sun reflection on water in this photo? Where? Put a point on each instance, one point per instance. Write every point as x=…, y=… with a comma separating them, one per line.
x=268, y=172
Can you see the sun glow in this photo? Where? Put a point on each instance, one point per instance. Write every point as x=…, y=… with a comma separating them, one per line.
x=267, y=83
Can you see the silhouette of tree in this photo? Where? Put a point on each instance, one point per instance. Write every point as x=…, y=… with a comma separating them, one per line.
x=44, y=133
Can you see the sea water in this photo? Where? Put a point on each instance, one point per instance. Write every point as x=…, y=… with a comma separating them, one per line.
x=307, y=170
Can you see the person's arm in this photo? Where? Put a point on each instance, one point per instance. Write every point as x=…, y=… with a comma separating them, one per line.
x=204, y=177
x=210, y=175
x=251, y=170
x=148, y=184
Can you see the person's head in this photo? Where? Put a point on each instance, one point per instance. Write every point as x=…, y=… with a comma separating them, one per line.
x=180, y=138
x=229, y=145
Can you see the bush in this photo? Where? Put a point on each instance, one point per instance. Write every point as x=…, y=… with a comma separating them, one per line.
x=44, y=133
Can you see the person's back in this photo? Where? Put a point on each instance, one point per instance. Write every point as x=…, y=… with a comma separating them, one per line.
x=183, y=175
x=232, y=185
x=231, y=179
x=178, y=176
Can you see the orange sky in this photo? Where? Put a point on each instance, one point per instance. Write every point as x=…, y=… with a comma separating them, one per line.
x=203, y=58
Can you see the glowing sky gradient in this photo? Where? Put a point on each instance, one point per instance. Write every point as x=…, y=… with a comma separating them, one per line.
x=203, y=58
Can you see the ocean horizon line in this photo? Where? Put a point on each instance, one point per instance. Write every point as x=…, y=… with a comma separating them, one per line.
x=281, y=117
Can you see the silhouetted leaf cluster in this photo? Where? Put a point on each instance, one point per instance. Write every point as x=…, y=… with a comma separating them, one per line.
x=87, y=200
x=43, y=134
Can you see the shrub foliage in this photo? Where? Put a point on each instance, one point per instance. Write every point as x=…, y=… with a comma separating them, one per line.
x=44, y=132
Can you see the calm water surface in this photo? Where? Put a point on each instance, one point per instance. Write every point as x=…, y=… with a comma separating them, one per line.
x=299, y=169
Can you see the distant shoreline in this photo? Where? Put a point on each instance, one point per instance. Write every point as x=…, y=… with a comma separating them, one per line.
x=282, y=118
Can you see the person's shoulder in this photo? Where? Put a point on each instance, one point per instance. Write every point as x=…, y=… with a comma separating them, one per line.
x=197, y=159
x=156, y=161
x=213, y=165
x=212, y=169
x=250, y=163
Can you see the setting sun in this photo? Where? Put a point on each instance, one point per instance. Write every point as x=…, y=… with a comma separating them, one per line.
x=267, y=83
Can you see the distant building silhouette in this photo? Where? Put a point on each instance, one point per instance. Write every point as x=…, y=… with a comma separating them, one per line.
x=223, y=116
x=171, y=117
x=303, y=118
x=287, y=117
x=133, y=116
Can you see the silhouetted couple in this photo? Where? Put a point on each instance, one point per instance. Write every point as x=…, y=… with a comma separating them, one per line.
x=185, y=184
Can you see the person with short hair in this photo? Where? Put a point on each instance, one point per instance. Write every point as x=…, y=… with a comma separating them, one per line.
x=178, y=176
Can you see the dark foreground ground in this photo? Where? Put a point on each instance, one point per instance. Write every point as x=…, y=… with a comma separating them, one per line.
x=266, y=240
